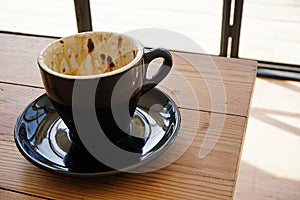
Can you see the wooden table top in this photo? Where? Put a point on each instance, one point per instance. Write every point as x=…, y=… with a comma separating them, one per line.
x=212, y=93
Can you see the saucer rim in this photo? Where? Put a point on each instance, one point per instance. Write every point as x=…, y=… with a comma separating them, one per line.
x=63, y=171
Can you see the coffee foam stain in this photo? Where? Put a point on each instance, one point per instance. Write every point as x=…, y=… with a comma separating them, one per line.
x=88, y=54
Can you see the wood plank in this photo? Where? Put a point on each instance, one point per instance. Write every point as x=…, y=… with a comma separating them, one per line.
x=5, y=194
x=174, y=181
x=210, y=78
x=189, y=177
x=18, y=55
x=12, y=103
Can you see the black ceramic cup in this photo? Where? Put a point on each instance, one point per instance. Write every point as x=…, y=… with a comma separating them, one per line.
x=116, y=62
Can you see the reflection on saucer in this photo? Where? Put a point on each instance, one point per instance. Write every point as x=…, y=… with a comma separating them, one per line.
x=43, y=138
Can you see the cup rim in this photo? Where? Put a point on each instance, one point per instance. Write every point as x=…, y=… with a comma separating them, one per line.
x=140, y=50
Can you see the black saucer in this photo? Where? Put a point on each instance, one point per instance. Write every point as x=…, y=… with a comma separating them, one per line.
x=43, y=138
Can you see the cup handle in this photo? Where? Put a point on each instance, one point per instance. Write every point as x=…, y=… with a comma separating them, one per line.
x=161, y=72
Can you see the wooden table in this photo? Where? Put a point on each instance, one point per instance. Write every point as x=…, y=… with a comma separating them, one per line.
x=191, y=176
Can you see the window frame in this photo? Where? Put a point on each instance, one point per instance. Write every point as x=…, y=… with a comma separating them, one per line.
x=230, y=37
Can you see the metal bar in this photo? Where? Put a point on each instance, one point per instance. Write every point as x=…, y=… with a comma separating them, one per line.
x=236, y=28
x=278, y=74
x=225, y=33
x=231, y=31
x=83, y=15
x=265, y=69
x=279, y=66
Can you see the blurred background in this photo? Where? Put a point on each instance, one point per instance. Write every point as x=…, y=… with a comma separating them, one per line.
x=270, y=29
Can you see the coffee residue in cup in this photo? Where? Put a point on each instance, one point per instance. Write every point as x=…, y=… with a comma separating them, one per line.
x=111, y=65
x=91, y=54
x=90, y=45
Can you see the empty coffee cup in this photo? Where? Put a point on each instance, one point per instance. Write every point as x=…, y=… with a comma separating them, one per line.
x=118, y=65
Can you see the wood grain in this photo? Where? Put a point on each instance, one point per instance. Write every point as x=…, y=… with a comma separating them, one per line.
x=201, y=77
x=11, y=195
x=12, y=103
x=212, y=176
x=189, y=176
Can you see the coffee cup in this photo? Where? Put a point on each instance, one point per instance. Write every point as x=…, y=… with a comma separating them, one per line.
x=117, y=63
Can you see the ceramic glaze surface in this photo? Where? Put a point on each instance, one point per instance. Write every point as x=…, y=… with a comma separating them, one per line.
x=43, y=138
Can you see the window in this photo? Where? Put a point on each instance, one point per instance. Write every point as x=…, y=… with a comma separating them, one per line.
x=269, y=33
x=40, y=17
x=198, y=20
